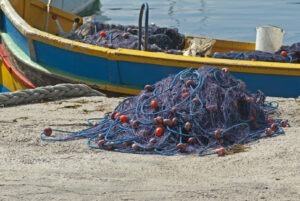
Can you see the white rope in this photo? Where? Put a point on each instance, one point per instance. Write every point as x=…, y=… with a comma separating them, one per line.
x=48, y=92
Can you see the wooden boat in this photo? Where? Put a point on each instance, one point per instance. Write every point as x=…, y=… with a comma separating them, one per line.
x=46, y=58
x=10, y=78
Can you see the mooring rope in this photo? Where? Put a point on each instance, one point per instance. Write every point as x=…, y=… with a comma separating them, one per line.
x=48, y=92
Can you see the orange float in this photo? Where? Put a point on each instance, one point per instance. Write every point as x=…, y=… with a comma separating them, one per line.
x=47, y=132
x=159, y=131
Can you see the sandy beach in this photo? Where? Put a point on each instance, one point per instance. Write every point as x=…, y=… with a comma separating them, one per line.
x=31, y=169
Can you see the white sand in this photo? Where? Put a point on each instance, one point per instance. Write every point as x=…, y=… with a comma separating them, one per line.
x=34, y=170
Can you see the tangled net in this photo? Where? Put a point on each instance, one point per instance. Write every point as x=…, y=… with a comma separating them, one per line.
x=287, y=53
x=161, y=39
x=200, y=111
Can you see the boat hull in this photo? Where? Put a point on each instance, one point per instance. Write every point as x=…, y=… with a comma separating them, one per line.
x=10, y=78
x=127, y=71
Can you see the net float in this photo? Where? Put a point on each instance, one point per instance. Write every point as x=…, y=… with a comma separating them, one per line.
x=154, y=104
x=112, y=115
x=95, y=123
x=174, y=121
x=134, y=146
x=125, y=35
x=135, y=123
x=167, y=122
x=159, y=120
x=101, y=143
x=47, y=132
x=242, y=84
x=101, y=136
x=196, y=101
x=190, y=83
x=124, y=118
x=102, y=33
x=217, y=133
x=181, y=146
x=192, y=140
x=110, y=146
x=270, y=120
x=187, y=126
x=250, y=99
x=116, y=115
x=283, y=53
x=159, y=131
x=185, y=94
x=173, y=110
x=124, y=145
x=268, y=132
x=225, y=70
x=221, y=151
x=152, y=140
x=284, y=123
x=149, y=146
x=144, y=96
x=148, y=88
x=274, y=127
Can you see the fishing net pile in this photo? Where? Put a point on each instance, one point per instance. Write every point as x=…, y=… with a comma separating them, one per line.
x=119, y=36
x=200, y=111
x=285, y=54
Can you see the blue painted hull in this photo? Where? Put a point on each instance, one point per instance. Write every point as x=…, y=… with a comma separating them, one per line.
x=271, y=85
x=132, y=75
x=3, y=89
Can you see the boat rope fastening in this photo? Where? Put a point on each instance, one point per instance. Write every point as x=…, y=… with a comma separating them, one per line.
x=48, y=92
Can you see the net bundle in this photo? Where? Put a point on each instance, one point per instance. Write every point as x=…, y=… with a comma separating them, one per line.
x=195, y=111
x=285, y=54
x=160, y=39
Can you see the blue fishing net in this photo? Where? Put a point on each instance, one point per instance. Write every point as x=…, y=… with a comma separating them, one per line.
x=119, y=36
x=285, y=54
x=194, y=111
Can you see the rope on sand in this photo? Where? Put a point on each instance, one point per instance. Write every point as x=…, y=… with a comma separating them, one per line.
x=48, y=92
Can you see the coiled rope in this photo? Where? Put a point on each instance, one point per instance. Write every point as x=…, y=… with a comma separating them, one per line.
x=48, y=92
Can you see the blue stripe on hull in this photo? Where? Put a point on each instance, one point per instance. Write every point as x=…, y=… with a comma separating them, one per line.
x=102, y=69
x=271, y=85
x=14, y=33
x=77, y=64
x=3, y=89
x=141, y=74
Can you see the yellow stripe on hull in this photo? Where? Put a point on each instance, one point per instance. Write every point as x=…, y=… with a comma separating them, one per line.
x=8, y=80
